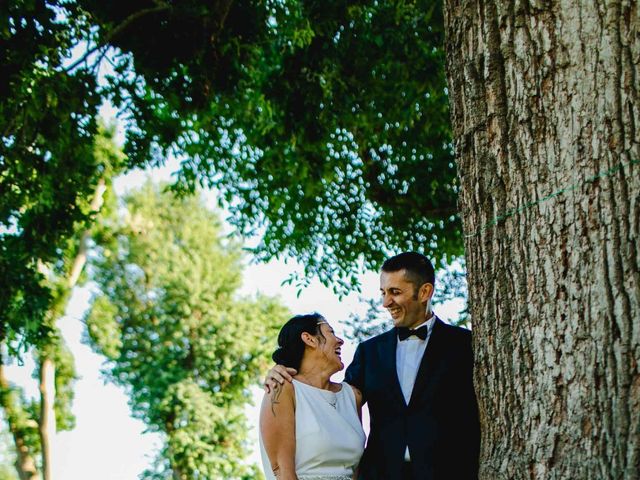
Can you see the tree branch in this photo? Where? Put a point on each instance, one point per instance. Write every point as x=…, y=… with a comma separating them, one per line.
x=132, y=18
x=81, y=257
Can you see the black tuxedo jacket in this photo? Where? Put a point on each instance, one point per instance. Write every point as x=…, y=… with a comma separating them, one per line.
x=440, y=423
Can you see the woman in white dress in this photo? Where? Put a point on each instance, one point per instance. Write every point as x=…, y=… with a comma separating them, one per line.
x=311, y=429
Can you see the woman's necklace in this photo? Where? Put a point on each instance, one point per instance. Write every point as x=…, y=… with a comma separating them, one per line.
x=328, y=396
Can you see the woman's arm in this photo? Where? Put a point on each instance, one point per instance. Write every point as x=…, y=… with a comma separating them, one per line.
x=356, y=472
x=277, y=425
x=359, y=401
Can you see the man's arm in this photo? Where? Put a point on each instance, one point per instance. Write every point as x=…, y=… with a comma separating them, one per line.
x=277, y=425
x=469, y=410
x=354, y=375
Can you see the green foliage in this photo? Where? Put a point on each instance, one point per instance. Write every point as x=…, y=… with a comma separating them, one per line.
x=177, y=334
x=7, y=473
x=47, y=122
x=21, y=414
x=324, y=124
x=7, y=456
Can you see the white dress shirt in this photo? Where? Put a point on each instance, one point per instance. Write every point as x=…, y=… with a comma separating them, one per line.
x=409, y=354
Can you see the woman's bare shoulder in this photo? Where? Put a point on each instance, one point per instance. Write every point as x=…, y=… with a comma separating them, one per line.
x=280, y=400
x=281, y=393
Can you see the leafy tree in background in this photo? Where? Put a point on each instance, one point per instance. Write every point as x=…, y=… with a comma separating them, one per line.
x=176, y=332
x=33, y=422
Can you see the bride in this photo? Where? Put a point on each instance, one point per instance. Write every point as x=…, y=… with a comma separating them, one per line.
x=311, y=429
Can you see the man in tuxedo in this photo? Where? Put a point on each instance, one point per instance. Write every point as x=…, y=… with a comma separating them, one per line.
x=417, y=380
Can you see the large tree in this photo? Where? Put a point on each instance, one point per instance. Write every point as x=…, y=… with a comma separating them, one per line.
x=545, y=111
x=323, y=125
x=177, y=334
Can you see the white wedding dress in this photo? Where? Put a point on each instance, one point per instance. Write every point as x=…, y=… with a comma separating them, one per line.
x=329, y=435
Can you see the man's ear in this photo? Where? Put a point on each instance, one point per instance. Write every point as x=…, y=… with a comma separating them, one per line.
x=425, y=293
x=308, y=339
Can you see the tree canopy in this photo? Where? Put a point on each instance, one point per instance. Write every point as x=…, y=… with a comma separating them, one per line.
x=47, y=120
x=324, y=125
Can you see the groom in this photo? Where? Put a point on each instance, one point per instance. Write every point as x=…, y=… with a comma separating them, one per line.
x=418, y=382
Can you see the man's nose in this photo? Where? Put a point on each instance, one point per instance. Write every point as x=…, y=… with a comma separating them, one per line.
x=386, y=301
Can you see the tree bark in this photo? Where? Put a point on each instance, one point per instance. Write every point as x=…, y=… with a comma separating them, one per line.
x=25, y=462
x=47, y=424
x=81, y=257
x=545, y=109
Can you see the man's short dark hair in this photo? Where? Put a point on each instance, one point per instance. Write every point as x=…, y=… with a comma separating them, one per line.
x=419, y=269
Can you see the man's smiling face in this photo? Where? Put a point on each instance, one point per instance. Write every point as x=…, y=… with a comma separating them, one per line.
x=405, y=301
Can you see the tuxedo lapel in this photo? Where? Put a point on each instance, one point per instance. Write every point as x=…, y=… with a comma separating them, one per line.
x=387, y=354
x=430, y=359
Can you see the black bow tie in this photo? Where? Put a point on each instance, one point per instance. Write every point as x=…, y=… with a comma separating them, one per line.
x=404, y=332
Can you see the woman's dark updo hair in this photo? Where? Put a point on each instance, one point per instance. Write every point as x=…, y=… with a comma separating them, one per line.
x=290, y=344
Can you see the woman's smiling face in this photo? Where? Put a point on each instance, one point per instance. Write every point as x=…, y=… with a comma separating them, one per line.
x=331, y=348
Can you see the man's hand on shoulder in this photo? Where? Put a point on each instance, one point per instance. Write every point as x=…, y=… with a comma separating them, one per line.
x=277, y=376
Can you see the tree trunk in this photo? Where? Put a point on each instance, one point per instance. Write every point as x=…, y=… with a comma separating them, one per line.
x=47, y=424
x=545, y=109
x=81, y=257
x=25, y=463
